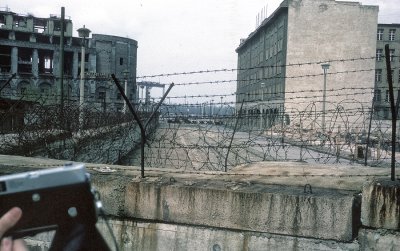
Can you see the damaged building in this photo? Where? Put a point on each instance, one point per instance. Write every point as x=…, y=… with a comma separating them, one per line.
x=30, y=48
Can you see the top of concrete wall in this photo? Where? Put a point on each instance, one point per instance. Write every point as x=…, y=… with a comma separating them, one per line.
x=268, y=173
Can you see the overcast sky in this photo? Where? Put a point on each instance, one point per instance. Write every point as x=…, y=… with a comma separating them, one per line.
x=176, y=35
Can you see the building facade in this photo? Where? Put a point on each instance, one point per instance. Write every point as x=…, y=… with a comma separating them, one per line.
x=260, y=81
x=30, y=48
x=386, y=34
x=280, y=78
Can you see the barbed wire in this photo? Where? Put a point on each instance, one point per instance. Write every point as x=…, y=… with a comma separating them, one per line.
x=187, y=144
x=257, y=67
x=107, y=77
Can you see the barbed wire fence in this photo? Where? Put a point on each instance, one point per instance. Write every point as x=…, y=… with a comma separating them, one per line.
x=199, y=136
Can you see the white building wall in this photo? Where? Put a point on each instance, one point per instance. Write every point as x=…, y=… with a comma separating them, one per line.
x=323, y=30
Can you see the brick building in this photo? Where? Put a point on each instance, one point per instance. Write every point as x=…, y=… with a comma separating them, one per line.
x=30, y=47
x=281, y=78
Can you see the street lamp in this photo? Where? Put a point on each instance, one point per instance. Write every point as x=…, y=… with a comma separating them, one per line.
x=83, y=33
x=261, y=105
x=325, y=67
x=126, y=75
x=211, y=107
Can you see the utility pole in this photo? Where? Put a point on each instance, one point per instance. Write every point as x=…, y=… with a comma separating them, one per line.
x=83, y=33
x=126, y=75
x=325, y=67
x=393, y=109
x=261, y=105
x=61, y=70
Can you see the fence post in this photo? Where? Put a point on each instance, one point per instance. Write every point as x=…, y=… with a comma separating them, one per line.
x=138, y=120
x=233, y=135
x=393, y=110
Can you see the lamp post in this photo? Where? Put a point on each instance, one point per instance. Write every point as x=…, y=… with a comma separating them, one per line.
x=126, y=75
x=211, y=107
x=83, y=33
x=325, y=67
x=261, y=105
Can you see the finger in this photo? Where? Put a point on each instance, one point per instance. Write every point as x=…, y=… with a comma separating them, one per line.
x=19, y=245
x=9, y=219
x=6, y=244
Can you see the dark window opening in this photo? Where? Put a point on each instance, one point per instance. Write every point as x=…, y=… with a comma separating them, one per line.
x=45, y=62
x=121, y=61
x=25, y=60
x=5, y=59
x=68, y=62
x=22, y=36
x=57, y=25
x=102, y=95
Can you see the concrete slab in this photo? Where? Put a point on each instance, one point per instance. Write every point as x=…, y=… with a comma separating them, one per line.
x=136, y=235
x=324, y=214
x=381, y=204
x=281, y=173
x=381, y=239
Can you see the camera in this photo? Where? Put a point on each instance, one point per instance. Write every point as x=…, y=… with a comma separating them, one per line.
x=53, y=198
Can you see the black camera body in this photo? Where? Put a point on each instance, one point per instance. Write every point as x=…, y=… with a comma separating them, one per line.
x=53, y=198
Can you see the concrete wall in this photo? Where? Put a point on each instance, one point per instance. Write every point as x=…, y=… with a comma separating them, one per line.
x=280, y=212
x=322, y=30
x=136, y=235
x=380, y=215
x=171, y=210
x=179, y=212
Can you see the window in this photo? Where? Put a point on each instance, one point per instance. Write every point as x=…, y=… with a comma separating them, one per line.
x=398, y=95
x=379, y=53
x=385, y=113
x=391, y=34
x=391, y=55
x=102, y=95
x=279, y=67
x=380, y=34
x=378, y=75
x=48, y=63
x=387, y=96
x=378, y=95
x=121, y=61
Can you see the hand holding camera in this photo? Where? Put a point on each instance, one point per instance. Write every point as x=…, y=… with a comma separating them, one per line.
x=7, y=221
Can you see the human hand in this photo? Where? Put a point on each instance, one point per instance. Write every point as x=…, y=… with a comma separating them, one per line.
x=7, y=221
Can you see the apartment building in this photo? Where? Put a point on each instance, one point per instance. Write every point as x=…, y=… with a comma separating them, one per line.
x=280, y=76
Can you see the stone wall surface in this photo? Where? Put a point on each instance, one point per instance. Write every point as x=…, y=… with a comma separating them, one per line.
x=353, y=37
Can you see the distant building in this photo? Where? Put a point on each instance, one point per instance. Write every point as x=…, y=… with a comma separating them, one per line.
x=30, y=47
x=280, y=75
x=386, y=34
